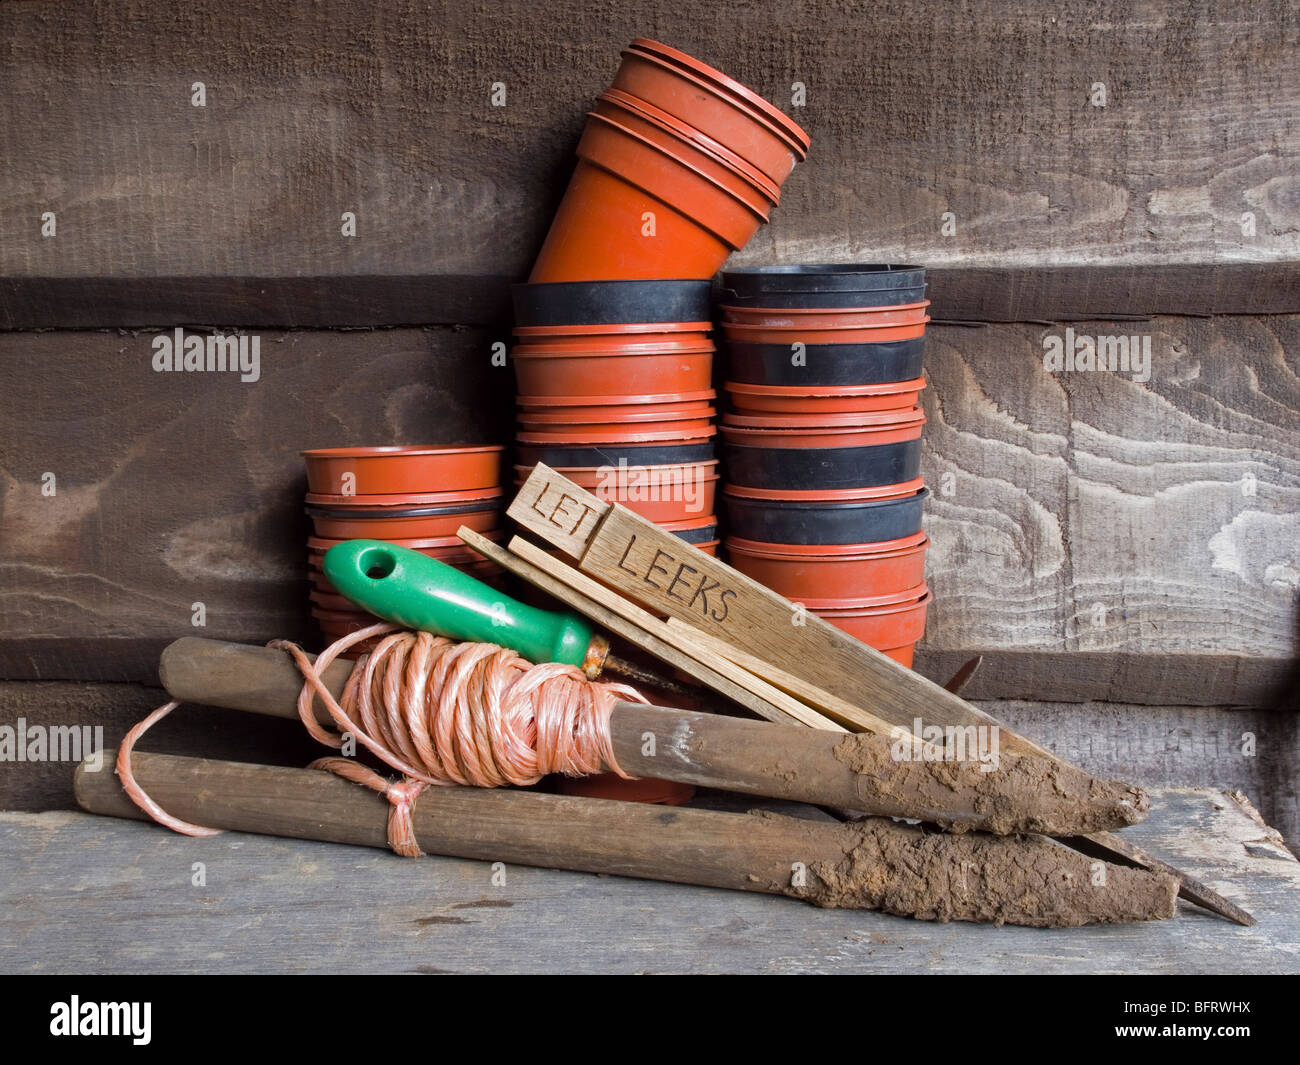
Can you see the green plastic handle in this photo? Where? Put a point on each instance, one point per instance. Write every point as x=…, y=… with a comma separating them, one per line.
x=411, y=589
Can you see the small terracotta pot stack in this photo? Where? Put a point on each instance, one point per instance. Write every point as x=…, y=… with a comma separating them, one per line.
x=416, y=497
x=822, y=443
x=614, y=393
x=678, y=166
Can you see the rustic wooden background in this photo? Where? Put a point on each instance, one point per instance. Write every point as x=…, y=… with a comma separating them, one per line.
x=1124, y=554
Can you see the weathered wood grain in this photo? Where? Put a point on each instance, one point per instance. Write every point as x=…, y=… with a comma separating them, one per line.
x=447, y=915
x=1053, y=494
x=915, y=110
x=1087, y=512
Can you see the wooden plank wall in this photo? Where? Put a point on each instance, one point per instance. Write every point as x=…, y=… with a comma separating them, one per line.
x=1103, y=541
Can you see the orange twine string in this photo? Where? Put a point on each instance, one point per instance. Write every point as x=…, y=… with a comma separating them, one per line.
x=441, y=713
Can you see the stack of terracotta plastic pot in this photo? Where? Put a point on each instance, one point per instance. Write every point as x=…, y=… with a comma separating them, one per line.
x=678, y=166
x=413, y=496
x=822, y=443
x=615, y=394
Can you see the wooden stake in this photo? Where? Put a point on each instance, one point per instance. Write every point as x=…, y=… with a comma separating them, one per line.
x=874, y=864
x=733, y=754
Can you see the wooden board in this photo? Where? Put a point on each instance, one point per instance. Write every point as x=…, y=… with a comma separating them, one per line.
x=1052, y=494
x=179, y=488
x=314, y=110
x=1084, y=512
x=994, y=293
x=132, y=908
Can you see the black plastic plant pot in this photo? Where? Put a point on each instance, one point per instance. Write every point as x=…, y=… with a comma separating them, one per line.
x=787, y=522
x=829, y=285
x=823, y=365
x=817, y=469
x=705, y=534
x=611, y=302
x=613, y=454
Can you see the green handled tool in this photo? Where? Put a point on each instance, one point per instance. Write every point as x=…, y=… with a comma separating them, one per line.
x=408, y=588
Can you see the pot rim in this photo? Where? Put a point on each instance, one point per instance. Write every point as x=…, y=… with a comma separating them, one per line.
x=627, y=400
x=866, y=504
x=762, y=216
x=396, y=451
x=698, y=139
x=838, y=421
x=688, y=524
x=840, y=608
x=637, y=350
x=704, y=410
x=900, y=490
x=795, y=312
x=400, y=499
x=388, y=513
x=673, y=58
x=524, y=471
x=822, y=277
x=840, y=552
x=583, y=329
x=826, y=391
x=586, y=437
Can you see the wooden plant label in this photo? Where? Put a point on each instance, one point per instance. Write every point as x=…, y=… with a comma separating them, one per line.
x=667, y=575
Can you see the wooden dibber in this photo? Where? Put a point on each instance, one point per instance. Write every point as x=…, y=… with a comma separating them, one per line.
x=857, y=772
x=873, y=864
x=662, y=573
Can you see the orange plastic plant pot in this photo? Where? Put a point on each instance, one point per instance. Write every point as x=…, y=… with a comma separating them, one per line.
x=621, y=414
x=800, y=334
x=630, y=435
x=722, y=167
x=647, y=119
x=823, y=431
x=838, y=318
x=729, y=86
x=361, y=526
x=830, y=399
x=699, y=419
x=885, y=628
x=404, y=500
x=613, y=408
x=866, y=493
x=613, y=373
x=600, y=233
x=627, y=343
x=390, y=470
x=670, y=178
x=801, y=572
x=718, y=107
x=669, y=476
